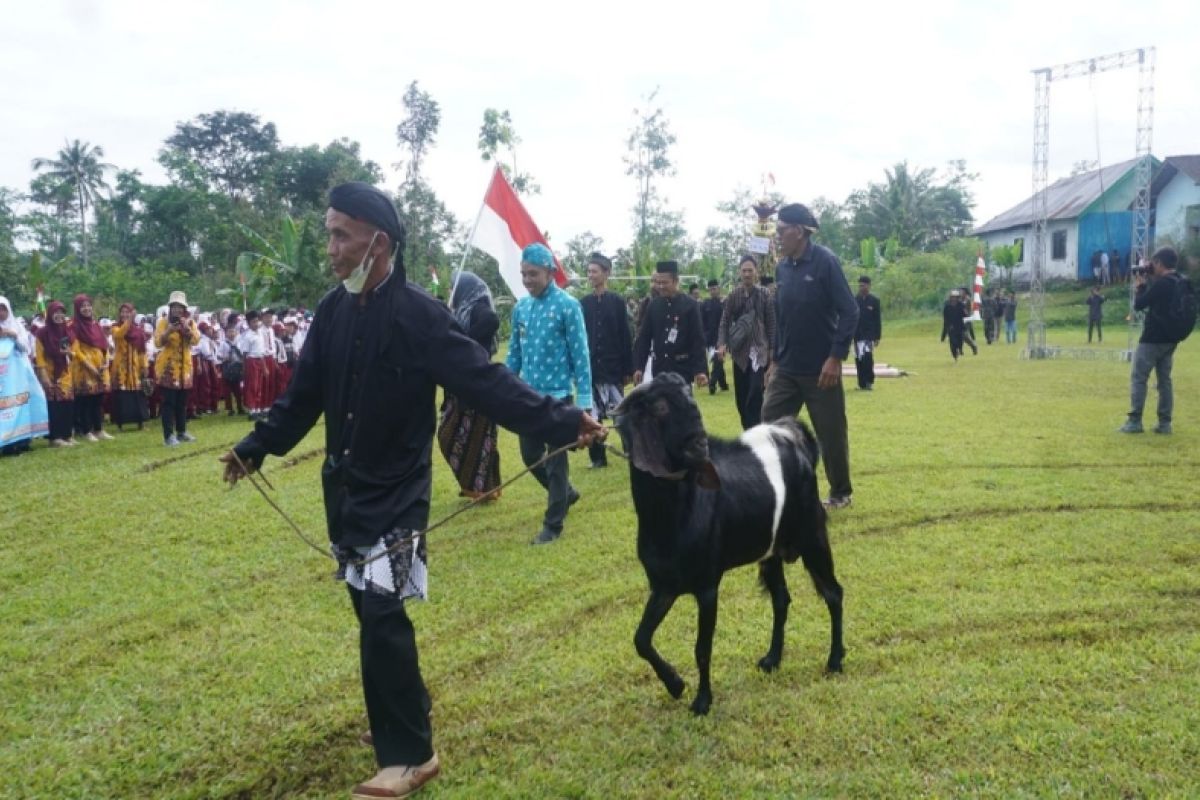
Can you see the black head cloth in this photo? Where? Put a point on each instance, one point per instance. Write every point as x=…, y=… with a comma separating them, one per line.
x=798, y=214
x=669, y=267
x=365, y=203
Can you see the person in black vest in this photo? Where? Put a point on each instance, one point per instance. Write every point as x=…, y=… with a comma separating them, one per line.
x=674, y=327
x=377, y=350
x=609, y=344
x=868, y=334
x=711, y=310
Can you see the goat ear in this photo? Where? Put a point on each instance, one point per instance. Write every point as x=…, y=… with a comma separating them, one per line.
x=707, y=478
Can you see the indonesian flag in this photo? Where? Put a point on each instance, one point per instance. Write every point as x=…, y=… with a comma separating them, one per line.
x=977, y=292
x=505, y=229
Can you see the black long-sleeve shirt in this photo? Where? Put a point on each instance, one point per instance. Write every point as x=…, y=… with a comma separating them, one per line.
x=870, y=319
x=953, y=323
x=609, y=341
x=372, y=370
x=814, y=310
x=1154, y=297
x=681, y=353
x=711, y=310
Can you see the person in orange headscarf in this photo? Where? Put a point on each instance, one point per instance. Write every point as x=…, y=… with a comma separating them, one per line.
x=89, y=371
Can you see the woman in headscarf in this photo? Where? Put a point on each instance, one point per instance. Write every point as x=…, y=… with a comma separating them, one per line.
x=467, y=438
x=89, y=370
x=129, y=371
x=12, y=328
x=52, y=363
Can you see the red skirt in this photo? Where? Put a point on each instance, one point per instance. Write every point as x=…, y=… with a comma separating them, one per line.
x=254, y=384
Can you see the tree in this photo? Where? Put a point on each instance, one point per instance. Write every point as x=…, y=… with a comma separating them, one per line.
x=1006, y=257
x=916, y=208
x=303, y=176
x=418, y=131
x=78, y=166
x=228, y=152
x=289, y=271
x=648, y=159
x=579, y=249
x=496, y=132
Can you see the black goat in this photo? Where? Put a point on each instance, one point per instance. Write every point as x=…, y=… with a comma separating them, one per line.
x=706, y=506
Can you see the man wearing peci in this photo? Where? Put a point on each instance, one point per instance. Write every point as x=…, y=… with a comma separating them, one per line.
x=675, y=329
x=374, y=356
x=609, y=346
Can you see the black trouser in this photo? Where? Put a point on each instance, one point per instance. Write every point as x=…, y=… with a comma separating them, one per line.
x=748, y=395
x=716, y=378
x=174, y=411
x=89, y=415
x=397, y=701
x=969, y=337
x=62, y=418
x=1099, y=332
x=865, y=365
x=956, y=344
x=554, y=476
x=988, y=330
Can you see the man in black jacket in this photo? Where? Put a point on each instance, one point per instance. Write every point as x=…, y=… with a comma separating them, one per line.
x=609, y=345
x=868, y=334
x=1156, y=349
x=711, y=311
x=375, y=354
x=816, y=317
x=674, y=328
x=953, y=324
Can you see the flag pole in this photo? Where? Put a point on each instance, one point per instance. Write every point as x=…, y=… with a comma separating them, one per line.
x=467, y=250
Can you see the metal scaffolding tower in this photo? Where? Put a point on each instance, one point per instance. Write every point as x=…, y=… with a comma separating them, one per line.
x=1143, y=59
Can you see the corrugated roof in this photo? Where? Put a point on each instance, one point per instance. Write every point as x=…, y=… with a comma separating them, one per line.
x=1065, y=198
x=1188, y=165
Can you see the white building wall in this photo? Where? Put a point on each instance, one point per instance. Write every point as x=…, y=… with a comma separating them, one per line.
x=1065, y=267
x=1173, y=200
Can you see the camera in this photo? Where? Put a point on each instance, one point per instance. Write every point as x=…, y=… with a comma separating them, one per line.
x=1140, y=271
x=64, y=344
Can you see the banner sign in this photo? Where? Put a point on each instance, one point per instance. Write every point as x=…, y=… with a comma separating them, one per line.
x=23, y=413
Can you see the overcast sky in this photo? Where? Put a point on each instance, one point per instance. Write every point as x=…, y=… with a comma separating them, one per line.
x=825, y=97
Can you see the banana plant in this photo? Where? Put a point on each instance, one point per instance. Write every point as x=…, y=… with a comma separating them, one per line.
x=287, y=272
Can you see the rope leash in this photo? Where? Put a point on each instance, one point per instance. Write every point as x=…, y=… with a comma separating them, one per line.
x=249, y=475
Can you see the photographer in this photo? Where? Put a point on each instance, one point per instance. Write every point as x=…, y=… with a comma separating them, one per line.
x=174, y=336
x=1162, y=294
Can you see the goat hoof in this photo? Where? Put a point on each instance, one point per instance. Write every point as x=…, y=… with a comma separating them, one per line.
x=701, y=705
x=768, y=663
x=833, y=667
x=675, y=686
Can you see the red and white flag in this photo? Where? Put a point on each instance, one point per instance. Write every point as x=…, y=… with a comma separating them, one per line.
x=977, y=291
x=505, y=229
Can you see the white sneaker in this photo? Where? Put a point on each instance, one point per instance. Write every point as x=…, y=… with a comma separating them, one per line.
x=186, y=437
x=106, y=436
x=171, y=441
x=91, y=437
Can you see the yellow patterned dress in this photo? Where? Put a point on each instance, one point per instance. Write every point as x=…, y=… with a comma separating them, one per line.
x=60, y=395
x=87, y=381
x=129, y=369
x=173, y=364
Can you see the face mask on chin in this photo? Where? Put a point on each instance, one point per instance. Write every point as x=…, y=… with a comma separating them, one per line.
x=357, y=279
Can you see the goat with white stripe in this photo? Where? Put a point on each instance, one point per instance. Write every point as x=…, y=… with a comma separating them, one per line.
x=705, y=506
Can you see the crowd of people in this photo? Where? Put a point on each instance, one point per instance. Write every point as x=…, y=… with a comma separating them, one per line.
x=177, y=364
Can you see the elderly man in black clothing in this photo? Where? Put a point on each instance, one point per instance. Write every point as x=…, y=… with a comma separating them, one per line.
x=711, y=311
x=375, y=354
x=674, y=327
x=868, y=334
x=816, y=317
x=609, y=344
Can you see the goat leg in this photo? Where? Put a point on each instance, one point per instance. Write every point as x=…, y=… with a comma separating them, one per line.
x=771, y=573
x=819, y=563
x=656, y=610
x=707, y=606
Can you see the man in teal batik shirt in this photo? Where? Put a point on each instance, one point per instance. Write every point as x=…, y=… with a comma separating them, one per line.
x=549, y=350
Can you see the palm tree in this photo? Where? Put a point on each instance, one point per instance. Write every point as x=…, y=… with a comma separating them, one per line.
x=78, y=167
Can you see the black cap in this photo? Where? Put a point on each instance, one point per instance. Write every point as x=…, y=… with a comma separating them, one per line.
x=713, y=282
x=670, y=267
x=865, y=279
x=798, y=214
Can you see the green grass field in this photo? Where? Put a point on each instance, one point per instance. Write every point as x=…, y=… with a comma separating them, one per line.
x=1022, y=616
